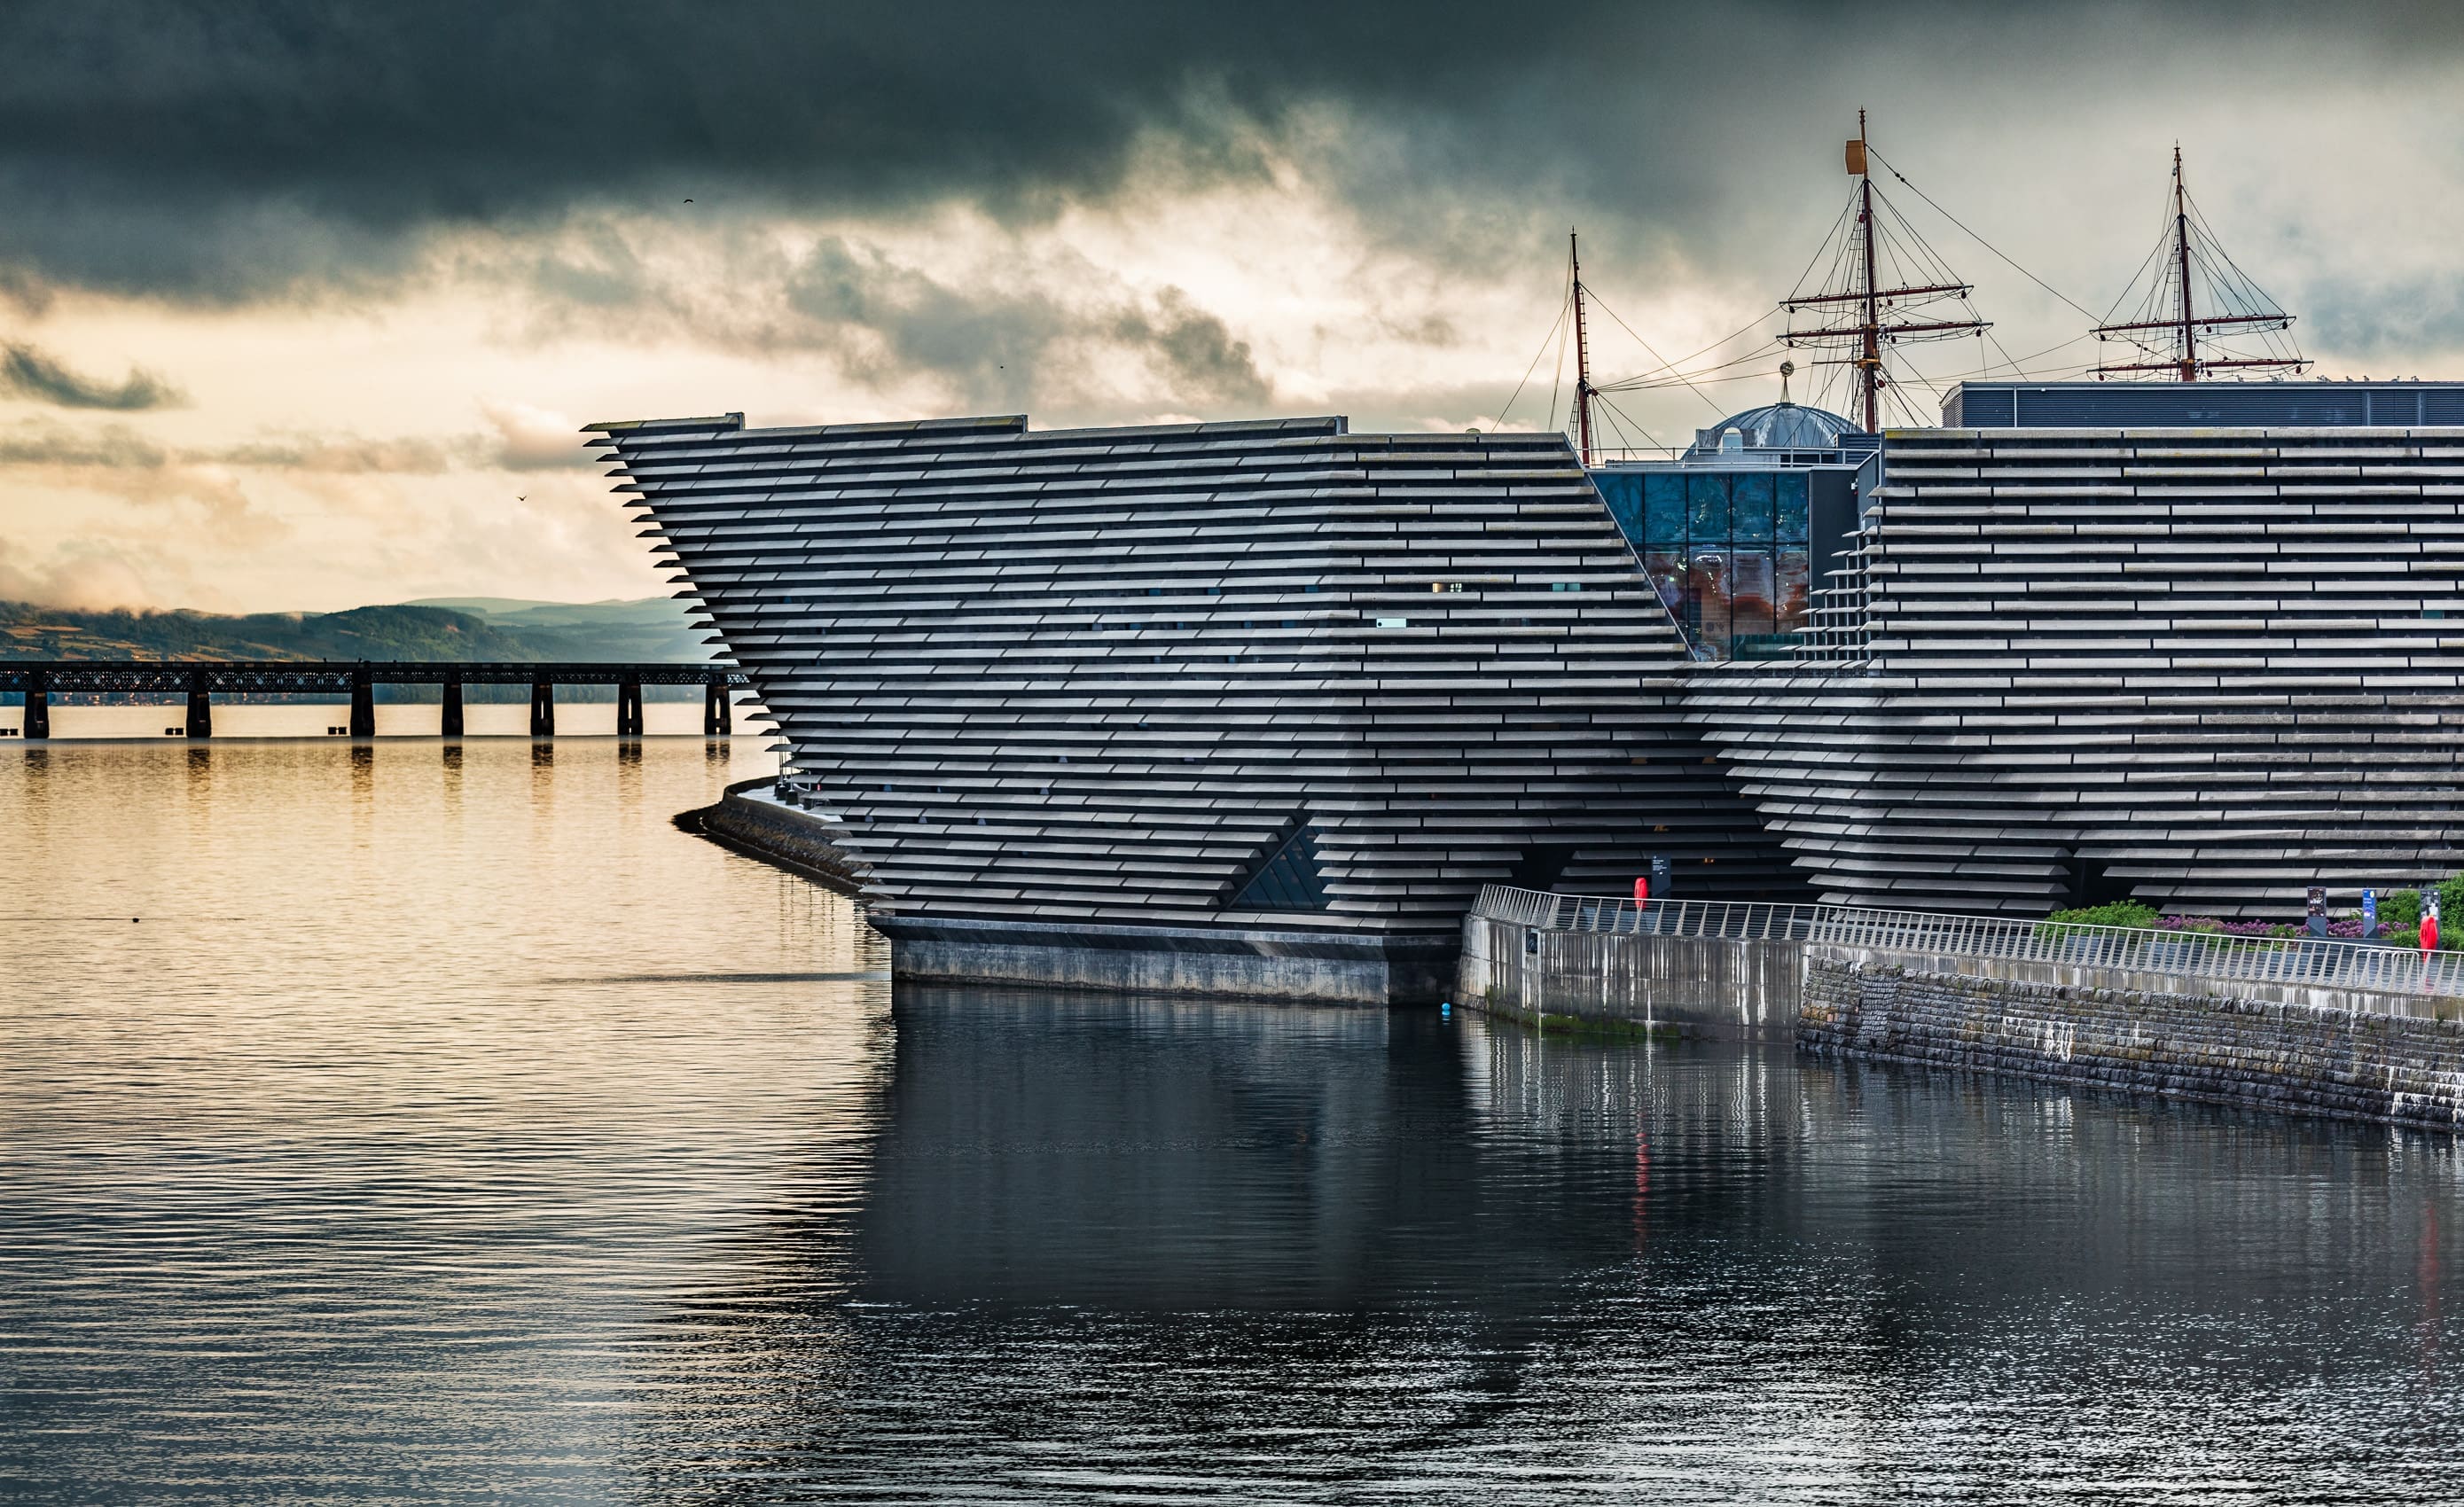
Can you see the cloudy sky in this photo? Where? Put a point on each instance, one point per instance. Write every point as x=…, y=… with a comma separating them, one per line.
x=302, y=304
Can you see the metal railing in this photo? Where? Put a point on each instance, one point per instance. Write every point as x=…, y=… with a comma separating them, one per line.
x=2307, y=962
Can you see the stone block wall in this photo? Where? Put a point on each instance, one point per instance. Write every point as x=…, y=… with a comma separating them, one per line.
x=2289, y=1058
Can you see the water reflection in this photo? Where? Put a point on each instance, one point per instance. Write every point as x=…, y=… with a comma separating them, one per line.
x=454, y=1126
x=1164, y=1155
x=1143, y=1246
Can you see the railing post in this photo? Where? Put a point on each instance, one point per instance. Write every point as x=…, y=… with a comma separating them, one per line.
x=449, y=724
x=38, y=704
x=628, y=706
x=363, y=704
x=542, y=710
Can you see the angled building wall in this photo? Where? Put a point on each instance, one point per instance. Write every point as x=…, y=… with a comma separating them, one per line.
x=2206, y=667
x=1267, y=674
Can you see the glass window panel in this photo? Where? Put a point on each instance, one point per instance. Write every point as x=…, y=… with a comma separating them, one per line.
x=1749, y=594
x=1667, y=569
x=1623, y=491
x=1792, y=585
x=1663, y=508
x=1750, y=507
x=1706, y=594
x=1706, y=507
x=1791, y=507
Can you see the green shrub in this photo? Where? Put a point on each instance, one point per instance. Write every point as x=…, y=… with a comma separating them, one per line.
x=2117, y=913
x=2400, y=910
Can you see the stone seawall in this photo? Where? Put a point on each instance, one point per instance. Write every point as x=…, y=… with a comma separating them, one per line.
x=2344, y=1053
x=2405, y=1069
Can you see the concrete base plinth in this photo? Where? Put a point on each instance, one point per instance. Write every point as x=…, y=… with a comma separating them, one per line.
x=1323, y=967
x=1316, y=967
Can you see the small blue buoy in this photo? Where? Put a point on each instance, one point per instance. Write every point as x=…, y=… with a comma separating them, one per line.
x=1445, y=1007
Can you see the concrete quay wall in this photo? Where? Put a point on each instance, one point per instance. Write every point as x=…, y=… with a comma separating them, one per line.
x=1699, y=986
x=2345, y=1053
x=1305, y=967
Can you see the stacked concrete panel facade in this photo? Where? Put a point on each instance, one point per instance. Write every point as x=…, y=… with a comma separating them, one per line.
x=2206, y=667
x=1101, y=676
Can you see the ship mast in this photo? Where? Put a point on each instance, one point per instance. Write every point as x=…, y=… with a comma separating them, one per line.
x=1582, y=355
x=1869, y=367
x=1863, y=298
x=2247, y=311
x=2181, y=258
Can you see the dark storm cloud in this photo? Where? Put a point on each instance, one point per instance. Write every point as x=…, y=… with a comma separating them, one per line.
x=221, y=150
x=26, y=372
x=1001, y=344
x=1200, y=359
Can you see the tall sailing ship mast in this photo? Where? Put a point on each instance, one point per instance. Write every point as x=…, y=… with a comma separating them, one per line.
x=2166, y=330
x=1583, y=388
x=1878, y=274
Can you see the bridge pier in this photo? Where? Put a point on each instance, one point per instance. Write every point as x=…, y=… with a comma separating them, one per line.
x=363, y=704
x=717, y=716
x=38, y=706
x=450, y=724
x=628, y=707
x=201, y=704
x=542, y=708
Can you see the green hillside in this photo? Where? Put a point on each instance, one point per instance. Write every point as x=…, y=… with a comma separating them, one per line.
x=649, y=630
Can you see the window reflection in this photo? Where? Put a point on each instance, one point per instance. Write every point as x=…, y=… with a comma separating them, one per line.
x=1725, y=549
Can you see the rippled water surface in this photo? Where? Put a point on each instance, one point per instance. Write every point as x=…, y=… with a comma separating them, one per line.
x=447, y=1125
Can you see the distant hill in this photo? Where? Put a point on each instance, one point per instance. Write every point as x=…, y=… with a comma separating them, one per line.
x=648, y=629
x=652, y=629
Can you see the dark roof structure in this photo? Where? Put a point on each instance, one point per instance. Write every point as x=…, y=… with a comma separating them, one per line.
x=1774, y=426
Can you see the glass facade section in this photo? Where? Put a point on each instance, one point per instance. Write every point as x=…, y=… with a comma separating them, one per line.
x=1725, y=548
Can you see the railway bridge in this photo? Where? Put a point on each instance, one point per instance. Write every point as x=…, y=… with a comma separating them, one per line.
x=200, y=680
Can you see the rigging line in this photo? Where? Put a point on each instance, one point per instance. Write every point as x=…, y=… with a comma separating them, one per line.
x=2208, y=234
x=1928, y=262
x=1972, y=235
x=1638, y=429
x=1916, y=419
x=1774, y=344
x=1655, y=354
x=1559, y=381
x=1563, y=305
x=1664, y=378
x=1707, y=381
x=2132, y=286
x=1623, y=434
x=1822, y=245
x=2022, y=362
x=1988, y=337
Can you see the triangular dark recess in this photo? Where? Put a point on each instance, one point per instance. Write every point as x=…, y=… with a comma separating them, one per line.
x=1287, y=878
x=1540, y=866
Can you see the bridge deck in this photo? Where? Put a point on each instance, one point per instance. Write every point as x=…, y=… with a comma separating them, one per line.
x=341, y=675
x=199, y=678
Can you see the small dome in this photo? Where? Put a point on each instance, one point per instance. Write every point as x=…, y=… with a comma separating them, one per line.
x=1776, y=426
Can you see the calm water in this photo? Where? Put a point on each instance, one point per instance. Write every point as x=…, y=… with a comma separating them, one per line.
x=451, y=1128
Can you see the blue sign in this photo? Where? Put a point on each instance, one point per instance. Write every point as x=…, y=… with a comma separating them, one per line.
x=2369, y=912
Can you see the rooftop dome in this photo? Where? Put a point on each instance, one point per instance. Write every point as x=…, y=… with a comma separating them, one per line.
x=1775, y=426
